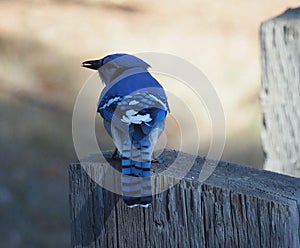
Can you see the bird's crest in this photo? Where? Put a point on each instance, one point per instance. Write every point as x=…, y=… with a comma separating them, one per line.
x=125, y=60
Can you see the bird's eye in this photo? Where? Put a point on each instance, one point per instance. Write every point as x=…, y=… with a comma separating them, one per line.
x=105, y=60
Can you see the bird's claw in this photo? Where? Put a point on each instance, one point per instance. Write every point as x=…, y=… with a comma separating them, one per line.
x=157, y=160
x=116, y=155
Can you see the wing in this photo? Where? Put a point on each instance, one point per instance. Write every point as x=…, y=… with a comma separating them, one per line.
x=134, y=117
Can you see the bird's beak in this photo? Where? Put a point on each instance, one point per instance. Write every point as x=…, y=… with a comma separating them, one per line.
x=92, y=64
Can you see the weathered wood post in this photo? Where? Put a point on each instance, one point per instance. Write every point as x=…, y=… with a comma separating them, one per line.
x=280, y=95
x=236, y=206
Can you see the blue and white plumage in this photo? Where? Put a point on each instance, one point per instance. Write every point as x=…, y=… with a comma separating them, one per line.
x=133, y=106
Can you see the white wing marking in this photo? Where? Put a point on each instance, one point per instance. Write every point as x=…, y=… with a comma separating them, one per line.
x=110, y=101
x=160, y=101
x=131, y=117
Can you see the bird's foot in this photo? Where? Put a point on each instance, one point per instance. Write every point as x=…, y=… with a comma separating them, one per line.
x=157, y=160
x=116, y=155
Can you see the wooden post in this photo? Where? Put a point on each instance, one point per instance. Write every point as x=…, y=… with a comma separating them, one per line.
x=280, y=95
x=236, y=206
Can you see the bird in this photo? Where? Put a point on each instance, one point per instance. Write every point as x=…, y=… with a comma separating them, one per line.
x=134, y=106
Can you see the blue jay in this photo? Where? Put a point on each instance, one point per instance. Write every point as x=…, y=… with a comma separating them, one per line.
x=133, y=106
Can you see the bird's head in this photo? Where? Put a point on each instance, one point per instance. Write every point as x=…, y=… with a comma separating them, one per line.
x=113, y=65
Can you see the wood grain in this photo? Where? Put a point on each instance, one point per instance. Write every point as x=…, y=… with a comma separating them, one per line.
x=280, y=94
x=237, y=206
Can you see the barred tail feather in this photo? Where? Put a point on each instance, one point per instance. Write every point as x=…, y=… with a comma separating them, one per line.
x=136, y=175
x=146, y=174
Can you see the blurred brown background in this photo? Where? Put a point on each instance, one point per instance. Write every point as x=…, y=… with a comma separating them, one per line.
x=42, y=44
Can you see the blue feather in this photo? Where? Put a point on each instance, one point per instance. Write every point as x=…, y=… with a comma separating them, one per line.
x=133, y=106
